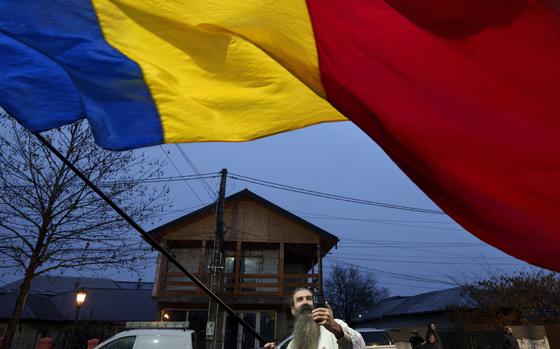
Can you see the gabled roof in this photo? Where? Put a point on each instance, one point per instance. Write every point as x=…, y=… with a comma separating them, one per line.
x=430, y=302
x=37, y=307
x=245, y=194
x=52, y=298
x=52, y=284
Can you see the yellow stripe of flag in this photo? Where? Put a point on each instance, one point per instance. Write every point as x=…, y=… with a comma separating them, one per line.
x=222, y=70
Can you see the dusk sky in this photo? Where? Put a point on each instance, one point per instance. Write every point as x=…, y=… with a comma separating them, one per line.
x=409, y=252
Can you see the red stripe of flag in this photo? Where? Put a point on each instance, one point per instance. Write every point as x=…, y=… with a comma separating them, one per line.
x=464, y=96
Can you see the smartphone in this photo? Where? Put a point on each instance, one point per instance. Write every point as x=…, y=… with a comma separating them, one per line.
x=318, y=301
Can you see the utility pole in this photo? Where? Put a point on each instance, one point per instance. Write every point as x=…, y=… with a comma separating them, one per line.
x=213, y=326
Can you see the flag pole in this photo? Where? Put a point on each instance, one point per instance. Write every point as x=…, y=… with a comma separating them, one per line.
x=149, y=239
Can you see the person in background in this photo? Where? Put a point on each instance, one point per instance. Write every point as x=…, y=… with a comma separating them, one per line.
x=416, y=340
x=433, y=330
x=510, y=342
x=430, y=343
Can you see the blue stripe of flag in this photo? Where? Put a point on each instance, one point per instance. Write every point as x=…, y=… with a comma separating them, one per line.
x=56, y=67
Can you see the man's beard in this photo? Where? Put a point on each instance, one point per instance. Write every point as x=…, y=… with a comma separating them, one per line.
x=306, y=331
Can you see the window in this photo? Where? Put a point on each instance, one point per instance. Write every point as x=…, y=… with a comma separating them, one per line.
x=230, y=271
x=161, y=342
x=257, y=262
x=375, y=338
x=121, y=343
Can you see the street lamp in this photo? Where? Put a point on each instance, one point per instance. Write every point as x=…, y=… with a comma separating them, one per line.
x=80, y=299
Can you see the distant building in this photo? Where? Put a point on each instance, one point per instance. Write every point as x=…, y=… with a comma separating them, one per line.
x=268, y=253
x=401, y=315
x=416, y=311
x=50, y=308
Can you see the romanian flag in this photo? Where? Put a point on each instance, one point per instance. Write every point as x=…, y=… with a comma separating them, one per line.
x=464, y=95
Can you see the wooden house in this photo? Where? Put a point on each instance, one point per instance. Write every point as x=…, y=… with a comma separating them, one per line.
x=268, y=252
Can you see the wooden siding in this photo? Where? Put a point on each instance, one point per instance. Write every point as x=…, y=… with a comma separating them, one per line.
x=246, y=221
x=176, y=284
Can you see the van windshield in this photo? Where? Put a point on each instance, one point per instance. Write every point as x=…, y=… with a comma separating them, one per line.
x=375, y=338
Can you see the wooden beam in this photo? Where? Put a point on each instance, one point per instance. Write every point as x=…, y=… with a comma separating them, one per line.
x=202, y=262
x=281, y=269
x=320, y=266
x=163, y=269
x=237, y=263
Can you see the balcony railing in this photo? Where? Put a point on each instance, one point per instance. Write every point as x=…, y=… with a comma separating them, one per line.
x=241, y=285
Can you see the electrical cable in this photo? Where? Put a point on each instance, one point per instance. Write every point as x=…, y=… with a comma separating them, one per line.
x=331, y=196
x=179, y=172
x=205, y=184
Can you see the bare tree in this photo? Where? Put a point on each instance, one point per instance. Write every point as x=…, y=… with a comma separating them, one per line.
x=50, y=220
x=350, y=291
x=521, y=298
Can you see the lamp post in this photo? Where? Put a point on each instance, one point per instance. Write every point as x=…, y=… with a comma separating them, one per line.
x=80, y=299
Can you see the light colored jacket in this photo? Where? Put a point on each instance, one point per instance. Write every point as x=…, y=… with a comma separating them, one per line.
x=351, y=339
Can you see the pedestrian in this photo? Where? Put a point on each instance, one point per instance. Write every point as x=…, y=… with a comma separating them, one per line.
x=432, y=329
x=416, y=340
x=510, y=342
x=317, y=328
x=430, y=342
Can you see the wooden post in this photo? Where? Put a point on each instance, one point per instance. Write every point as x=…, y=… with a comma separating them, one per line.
x=203, y=260
x=281, y=269
x=161, y=278
x=320, y=266
x=159, y=275
x=214, y=324
x=237, y=271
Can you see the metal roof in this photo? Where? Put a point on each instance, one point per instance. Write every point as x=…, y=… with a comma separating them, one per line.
x=117, y=305
x=52, y=298
x=422, y=303
x=53, y=284
x=138, y=285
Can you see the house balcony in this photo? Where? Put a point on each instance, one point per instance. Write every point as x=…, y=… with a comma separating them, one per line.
x=236, y=285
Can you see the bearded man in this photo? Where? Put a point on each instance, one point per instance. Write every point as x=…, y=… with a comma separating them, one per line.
x=317, y=328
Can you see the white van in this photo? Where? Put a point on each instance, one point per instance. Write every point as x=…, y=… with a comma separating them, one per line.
x=152, y=335
x=376, y=338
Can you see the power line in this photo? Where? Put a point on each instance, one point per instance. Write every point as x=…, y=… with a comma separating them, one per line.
x=407, y=244
x=167, y=179
x=331, y=196
x=425, y=262
x=414, y=243
x=320, y=215
x=420, y=256
x=390, y=283
x=205, y=184
x=393, y=274
x=396, y=222
x=179, y=172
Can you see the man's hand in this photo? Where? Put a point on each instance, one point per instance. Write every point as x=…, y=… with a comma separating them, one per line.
x=324, y=317
x=270, y=345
